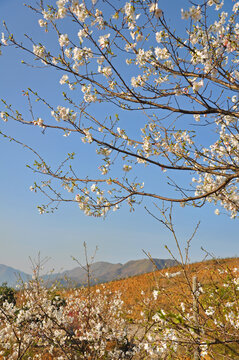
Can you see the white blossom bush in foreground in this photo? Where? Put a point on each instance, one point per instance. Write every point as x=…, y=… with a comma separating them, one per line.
x=91, y=323
x=84, y=325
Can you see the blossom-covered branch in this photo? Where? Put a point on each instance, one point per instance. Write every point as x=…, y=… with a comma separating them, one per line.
x=171, y=89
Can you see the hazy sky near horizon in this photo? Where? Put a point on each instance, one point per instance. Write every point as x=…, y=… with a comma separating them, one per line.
x=122, y=235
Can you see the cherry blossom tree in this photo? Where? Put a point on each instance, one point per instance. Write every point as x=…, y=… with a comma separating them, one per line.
x=172, y=96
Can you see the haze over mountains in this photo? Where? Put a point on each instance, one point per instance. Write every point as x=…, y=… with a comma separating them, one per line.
x=11, y=276
x=100, y=272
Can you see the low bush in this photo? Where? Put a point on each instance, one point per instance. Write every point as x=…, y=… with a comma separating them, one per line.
x=92, y=322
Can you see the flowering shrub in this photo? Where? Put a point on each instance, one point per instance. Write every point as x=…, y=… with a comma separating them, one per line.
x=91, y=323
x=88, y=324
x=205, y=324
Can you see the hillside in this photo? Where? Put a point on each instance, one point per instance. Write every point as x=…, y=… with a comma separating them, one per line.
x=171, y=283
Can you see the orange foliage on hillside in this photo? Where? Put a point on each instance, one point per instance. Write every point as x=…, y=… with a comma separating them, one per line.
x=173, y=289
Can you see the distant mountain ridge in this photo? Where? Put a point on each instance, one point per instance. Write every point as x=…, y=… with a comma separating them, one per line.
x=104, y=271
x=11, y=276
x=100, y=272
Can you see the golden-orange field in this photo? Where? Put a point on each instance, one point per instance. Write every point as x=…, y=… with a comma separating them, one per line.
x=172, y=290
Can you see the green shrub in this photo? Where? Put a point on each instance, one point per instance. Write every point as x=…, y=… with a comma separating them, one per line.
x=7, y=294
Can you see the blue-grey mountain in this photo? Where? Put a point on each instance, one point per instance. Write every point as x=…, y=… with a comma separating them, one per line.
x=100, y=272
x=12, y=276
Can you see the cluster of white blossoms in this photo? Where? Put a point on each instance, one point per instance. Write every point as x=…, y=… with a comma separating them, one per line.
x=88, y=95
x=153, y=8
x=82, y=324
x=226, y=147
x=88, y=137
x=98, y=207
x=143, y=57
x=39, y=51
x=63, y=40
x=138, y=81
x=64, y=79
x=39, y=122
x=197, y=85
x=64, y=114
x=81, y=55
x=106, y=71
x=130, y=15
x=194, y=13
x=161, y=53
x=103, y=41
x=42, y=23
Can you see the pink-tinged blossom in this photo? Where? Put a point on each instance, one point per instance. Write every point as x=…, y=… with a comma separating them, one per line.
x=103, y=41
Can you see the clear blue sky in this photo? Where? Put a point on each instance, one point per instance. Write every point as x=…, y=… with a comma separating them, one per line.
x=122, y=235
